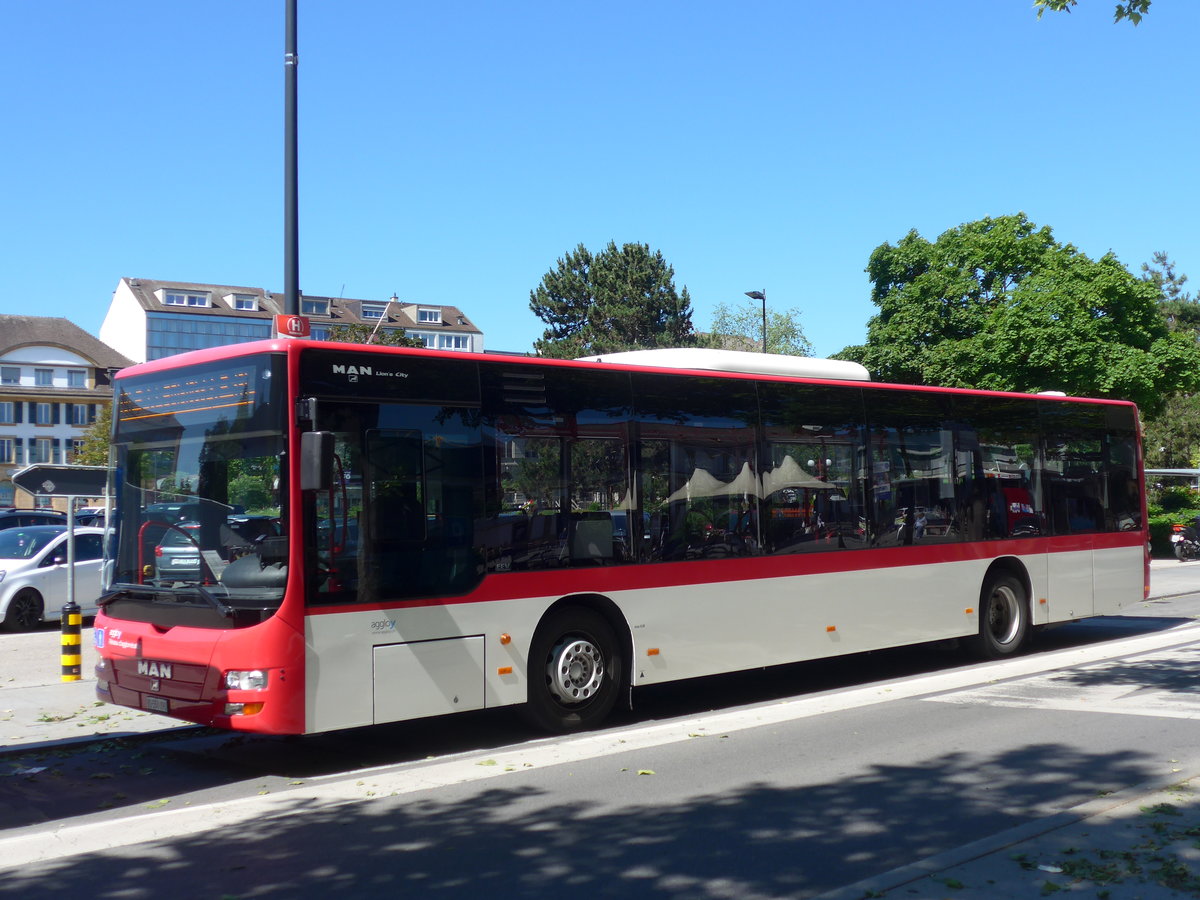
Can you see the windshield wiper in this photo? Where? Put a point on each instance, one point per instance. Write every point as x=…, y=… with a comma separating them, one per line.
x=125, y=594
x=216, y=602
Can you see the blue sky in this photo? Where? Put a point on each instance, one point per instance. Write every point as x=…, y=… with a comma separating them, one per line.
x=451, y=152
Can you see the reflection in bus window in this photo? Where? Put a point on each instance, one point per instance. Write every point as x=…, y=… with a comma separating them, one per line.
x=397, y=522
x=1091, y=468
x=997, y=471
x=600, y=502
x=700, y=479
x=912, y=469
x=813, y=483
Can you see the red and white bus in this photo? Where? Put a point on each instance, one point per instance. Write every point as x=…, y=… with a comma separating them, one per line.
x=313, y=536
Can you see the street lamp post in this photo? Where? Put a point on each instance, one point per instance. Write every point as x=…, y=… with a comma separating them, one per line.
x=291, y=227
x=761, y=295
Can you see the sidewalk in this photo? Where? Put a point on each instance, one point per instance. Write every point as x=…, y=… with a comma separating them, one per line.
x=1139, y=844
x=38, y=707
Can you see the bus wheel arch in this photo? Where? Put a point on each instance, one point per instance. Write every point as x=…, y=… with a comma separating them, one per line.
x=579, y=661
x=1005, y=610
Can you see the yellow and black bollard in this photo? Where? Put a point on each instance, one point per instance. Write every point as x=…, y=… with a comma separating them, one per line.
x=72, y=642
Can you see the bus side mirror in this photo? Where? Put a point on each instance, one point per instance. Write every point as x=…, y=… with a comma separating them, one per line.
x=316, y=460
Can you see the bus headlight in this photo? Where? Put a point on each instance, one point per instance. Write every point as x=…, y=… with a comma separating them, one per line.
x=250, y=680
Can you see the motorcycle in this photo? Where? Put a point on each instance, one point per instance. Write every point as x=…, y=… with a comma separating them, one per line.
x=1185, y=542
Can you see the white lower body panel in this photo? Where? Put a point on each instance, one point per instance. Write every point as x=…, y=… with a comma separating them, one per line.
x=373, y=666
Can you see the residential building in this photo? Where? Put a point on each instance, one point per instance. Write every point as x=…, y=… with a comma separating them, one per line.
x=54, y=380
x=152, y=319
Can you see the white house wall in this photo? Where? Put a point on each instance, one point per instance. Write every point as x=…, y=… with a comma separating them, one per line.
x=124, y=327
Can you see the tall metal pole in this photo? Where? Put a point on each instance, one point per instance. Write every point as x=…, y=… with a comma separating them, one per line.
x=291, y=228
x=764, y=300
x=761, y=295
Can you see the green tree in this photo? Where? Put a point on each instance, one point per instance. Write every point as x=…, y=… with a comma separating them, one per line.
x=1172, y=438
x=740, y=328
x=999, y=304
x=622, y=298
x=96, y=440
x=1178, y=307
x=366, y=334
x=1133, y=10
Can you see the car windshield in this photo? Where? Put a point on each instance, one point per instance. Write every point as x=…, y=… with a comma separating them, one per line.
x=25, y=543
x=196, y=455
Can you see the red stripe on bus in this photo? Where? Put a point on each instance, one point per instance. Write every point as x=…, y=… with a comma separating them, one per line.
x=648, y=576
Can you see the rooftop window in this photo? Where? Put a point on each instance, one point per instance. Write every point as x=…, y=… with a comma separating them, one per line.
x=182, y=298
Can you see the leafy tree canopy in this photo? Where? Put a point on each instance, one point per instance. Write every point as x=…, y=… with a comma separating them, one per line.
x=999, y=304
x=740, y=328
x=1172, y=438
x=366, y=334
x=94, y=450
x=1133, y=10
x=622, y=298
x=1181, y=309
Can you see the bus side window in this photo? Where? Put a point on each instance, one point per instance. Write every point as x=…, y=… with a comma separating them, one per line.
x=912, y=469
x=1074, y=468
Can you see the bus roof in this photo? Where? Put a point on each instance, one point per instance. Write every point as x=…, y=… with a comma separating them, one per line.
x=738, y=361
x=725, y=362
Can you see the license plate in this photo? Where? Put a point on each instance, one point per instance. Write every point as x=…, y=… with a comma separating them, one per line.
x=156, y=704
x=185, y=561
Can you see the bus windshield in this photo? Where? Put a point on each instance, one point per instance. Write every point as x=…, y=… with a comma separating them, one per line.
x=199, y=488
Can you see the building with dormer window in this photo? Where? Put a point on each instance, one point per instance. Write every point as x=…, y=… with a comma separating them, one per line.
x=152, y=319
x=54, y=380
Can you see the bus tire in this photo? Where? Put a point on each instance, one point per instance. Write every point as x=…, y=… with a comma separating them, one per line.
x=1003, y=617
x=575, y=671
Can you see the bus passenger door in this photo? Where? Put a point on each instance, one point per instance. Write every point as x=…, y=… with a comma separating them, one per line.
x=1073, y=485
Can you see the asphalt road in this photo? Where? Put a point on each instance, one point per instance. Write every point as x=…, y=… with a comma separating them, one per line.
x=779, y=783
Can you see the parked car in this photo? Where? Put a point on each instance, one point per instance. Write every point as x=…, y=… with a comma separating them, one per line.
x=90, y=515
x=33, y=573
x=23, y=518
x=177, y=555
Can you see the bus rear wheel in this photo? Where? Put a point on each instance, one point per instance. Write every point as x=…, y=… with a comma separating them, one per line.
x=1003, y=617
x=575, y=671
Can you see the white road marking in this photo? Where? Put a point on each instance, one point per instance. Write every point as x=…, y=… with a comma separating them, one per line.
x=1143, y=688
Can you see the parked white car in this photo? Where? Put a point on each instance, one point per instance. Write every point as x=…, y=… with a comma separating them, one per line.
x=33, y=573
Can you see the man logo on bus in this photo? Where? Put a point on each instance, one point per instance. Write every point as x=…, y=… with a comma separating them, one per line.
x=153, y=669
x=351, y=370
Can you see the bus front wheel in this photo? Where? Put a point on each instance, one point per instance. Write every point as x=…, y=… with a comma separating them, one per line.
x=1003, y=617
x=575, y=671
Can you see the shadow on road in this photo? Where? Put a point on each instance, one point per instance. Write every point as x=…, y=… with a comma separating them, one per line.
x=615, y=838
x=51, y=784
